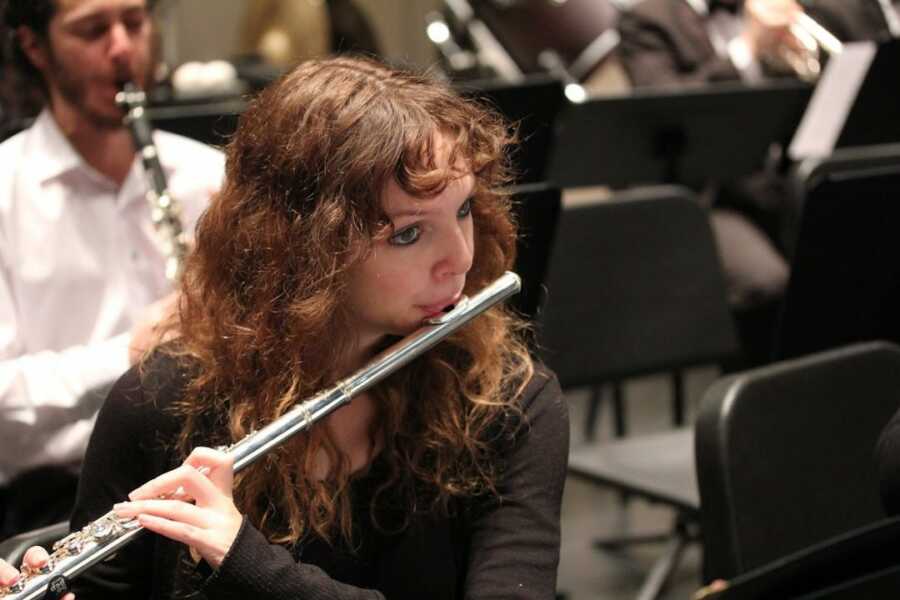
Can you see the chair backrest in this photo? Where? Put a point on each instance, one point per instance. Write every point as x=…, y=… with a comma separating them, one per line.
x=634, y=286
x=845, y=277
x=785, y=453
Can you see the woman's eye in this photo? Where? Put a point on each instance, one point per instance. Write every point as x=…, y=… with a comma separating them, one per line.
x=406, y=236
x=465, y=209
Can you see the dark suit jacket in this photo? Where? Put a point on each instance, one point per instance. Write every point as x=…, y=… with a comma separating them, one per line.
x=665, y=42
x=850, y=20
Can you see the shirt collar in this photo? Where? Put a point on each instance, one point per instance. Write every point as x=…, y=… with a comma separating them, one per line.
x=57, y=156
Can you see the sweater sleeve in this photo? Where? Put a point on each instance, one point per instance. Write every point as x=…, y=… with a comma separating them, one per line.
x=126, y=450
x=254, y=568
x=514, y=547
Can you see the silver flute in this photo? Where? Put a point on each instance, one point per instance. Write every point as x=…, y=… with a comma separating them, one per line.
x=165, y=211
x=103, y=537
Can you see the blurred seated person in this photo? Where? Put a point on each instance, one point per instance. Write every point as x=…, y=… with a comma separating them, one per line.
x=285, y=33
x=857, y=20
x=82, y=282
x=690, y=42
x=667, y=42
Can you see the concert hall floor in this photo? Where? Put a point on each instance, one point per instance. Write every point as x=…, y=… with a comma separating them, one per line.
x=589, y=512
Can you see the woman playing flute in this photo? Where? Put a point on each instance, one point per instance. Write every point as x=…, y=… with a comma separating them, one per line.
x=359, y=202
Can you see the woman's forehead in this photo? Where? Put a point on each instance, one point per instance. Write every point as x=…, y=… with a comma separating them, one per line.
x=397, y=202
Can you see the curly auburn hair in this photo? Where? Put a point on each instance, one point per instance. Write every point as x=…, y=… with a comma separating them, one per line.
x=262, y=315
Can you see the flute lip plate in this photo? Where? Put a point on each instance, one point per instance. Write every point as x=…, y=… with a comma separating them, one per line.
x=448, y=316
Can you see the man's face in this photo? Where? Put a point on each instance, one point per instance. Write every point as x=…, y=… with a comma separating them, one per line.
x=93, y=47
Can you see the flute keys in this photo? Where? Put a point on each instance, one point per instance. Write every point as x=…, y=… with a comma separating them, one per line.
x=102, y=529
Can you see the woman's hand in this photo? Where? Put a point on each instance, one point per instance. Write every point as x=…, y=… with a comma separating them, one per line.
x=209, y=524
x=35, y=558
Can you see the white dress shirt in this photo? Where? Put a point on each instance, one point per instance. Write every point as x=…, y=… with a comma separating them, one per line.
x=79, y=262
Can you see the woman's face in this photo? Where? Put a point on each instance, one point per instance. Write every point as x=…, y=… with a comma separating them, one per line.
x=419, y=267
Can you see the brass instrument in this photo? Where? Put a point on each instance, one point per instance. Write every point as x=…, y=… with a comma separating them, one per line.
x=103, y=537
x=165, y=210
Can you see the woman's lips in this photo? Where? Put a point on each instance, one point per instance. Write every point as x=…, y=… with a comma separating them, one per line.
x=439, y=307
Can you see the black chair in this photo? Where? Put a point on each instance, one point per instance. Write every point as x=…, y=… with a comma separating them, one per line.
x=862, y=563
x=785, y=454
x=13, y=549
x=635, y=287
x=845, y=278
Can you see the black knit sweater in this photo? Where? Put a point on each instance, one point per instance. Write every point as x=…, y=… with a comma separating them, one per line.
x=491, y=548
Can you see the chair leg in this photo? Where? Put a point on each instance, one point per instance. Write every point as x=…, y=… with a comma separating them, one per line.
x=684, y=531
x=590, y=422
x=612, y=544
x=678, y=398
x=662, y=569
x=619, y=409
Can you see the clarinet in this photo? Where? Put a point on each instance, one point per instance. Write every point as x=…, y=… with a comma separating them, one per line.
x=103, y=537
x=165, y=211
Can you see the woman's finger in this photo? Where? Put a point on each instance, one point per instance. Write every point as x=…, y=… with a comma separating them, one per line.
x=180, y=532
x=173, y=510
x=185, y=480
x=219, y=467
x=8, y=573
x=35, y=557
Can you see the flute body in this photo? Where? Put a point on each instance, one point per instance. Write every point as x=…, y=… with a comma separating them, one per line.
x=103, y=537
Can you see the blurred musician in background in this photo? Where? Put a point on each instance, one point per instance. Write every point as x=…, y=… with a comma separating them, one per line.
x=685, y=42
x=702, y=41
x=857, y=20
x=82, y=280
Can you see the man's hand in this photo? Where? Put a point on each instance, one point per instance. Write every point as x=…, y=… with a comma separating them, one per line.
x=148, y=333
x=767, y=27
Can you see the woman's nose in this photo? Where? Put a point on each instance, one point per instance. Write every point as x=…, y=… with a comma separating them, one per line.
x=457, y=253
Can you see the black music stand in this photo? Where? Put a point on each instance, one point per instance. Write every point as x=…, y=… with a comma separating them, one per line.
x=686, y=136
x=855, y=102
x=532, y=106
x=536, y=208
x=208, y=120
